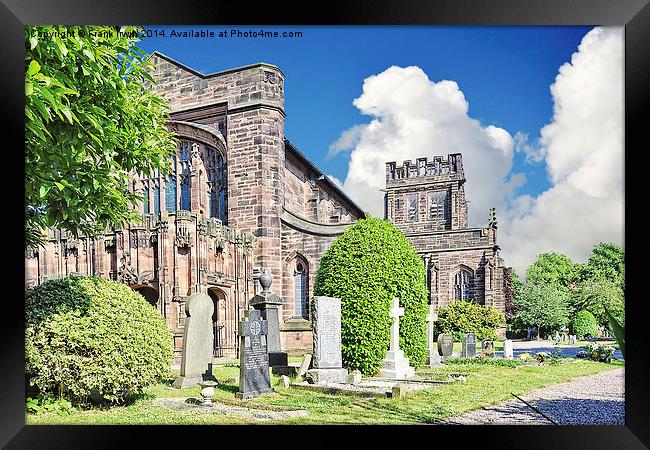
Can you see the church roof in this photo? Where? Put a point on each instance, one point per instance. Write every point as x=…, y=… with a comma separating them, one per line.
x=288, y=146
x=213, y=74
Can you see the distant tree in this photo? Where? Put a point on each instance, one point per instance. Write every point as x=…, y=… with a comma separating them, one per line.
x=512, y=289
x=544, y=306
x=554, y=269
x=91, y=118
x=607, y=261
x=599, y=294
x=584, y=324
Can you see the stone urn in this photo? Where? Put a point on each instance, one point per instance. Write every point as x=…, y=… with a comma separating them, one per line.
x=207, y=391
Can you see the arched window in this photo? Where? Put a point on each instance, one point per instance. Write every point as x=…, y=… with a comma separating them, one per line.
x=300, y=291
x=185, y=175
x=145, y=194
x=462, y=285
x=170, y=194
x=156, y=197
x=216, y=174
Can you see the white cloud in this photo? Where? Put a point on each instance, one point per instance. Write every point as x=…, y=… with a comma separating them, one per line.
x=413, y=116
x=336, y=181
x=582, y=147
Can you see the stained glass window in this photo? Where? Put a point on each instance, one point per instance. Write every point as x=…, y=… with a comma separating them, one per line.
x=186, y=187
x=216, y=174
x=170, y=194
x=145, y=193
x=156, y=198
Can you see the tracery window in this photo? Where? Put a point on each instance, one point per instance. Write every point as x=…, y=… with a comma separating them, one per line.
x=216, y=174
x=185, y=175
x=462, y=285
x=413, y=208
x=300, y=291
x=437, y=204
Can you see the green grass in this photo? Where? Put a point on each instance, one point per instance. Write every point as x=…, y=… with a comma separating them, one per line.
x=486, y=384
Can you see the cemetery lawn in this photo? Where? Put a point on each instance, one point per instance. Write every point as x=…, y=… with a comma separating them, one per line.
x=486, y=384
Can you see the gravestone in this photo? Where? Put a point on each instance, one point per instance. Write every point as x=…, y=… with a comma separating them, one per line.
x=572, y=339
x=469, y=346
x=488, y=347
x=507, y=349
x=267, y=303
x=305, y=365
x=198, y=343
x=445, y=344
x=327, y=361
x=254, y=378
x=395, y=365
x=433, y=357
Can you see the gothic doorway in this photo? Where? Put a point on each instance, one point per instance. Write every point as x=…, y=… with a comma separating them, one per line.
x=219, y=321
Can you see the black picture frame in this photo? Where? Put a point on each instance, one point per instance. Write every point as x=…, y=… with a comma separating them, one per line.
x=633, y=14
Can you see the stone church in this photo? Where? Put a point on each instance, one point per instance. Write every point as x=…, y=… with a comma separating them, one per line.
x=426, y=200
x=241, y=199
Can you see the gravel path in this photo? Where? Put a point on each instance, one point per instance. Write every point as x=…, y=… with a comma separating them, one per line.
x=592, y=400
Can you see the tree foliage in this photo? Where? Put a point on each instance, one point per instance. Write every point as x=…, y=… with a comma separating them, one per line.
x=366, y=267
x=93, y=340
x=553, y=269
x=544, y=306
x=584, y=324
x=600, y=293
x=606, y=262
x=91, y=118
x=469, y=317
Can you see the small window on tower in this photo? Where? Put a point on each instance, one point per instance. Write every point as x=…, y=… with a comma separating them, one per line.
x=437, y=205
x=413, y=208
x=398, y=204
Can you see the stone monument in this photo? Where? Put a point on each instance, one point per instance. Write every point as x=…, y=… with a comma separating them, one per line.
x=267, y=303
x=488, y=347
x=469, y=346
x=254, y=377
x=396, y=365
x=327, y=361
x=445, y=345
x=198, y=343
x=433, y=356
x=507, y=349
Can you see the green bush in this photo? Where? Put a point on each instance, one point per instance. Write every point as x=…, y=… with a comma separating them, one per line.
x=468, y=317
x=366, y=267
x=584, y=324
x=93, y=340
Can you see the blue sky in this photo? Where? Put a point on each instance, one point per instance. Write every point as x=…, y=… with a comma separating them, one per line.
x=504, y=72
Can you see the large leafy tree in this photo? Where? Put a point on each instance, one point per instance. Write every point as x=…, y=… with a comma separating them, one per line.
x=544, y=306
x=599, y=295
x=91, y=118
x=553, y=269
x=607, y=261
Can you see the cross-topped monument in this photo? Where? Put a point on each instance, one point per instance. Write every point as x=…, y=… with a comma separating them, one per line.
x=433, y=357
x=254, y=376
x=395, y=364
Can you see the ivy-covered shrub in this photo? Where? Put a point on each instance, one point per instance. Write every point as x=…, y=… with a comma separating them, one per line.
x=93, y=340
x=366, y=267
x=584, y=324
x=461, y=317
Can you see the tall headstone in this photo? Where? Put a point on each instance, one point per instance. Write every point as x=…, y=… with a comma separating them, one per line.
x=267, y=303
x=395, y=364
x=254, y=377
x=433, y=357
x=469, y=346
x=327, y=360
x=445, y=345
x=507, y=349
x=488, y=347
x=198, y=341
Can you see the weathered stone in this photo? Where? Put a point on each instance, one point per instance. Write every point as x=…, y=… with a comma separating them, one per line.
x=395, y=365
x=445, y=344
x=507, y=349
x=469, y=346
x=433, y=357
x=304, y=366
x=354, y=377
x=327, y=360
x=267, y=303
x=254, y=378
x=197, y=340
x=488, y=347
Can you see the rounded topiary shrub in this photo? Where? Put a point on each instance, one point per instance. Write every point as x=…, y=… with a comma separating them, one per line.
x=366, y=267
x=89, y=339
x=461, y=317
x=584, y=324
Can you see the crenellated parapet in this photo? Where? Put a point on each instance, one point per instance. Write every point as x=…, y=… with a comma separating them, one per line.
x=435, y=169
